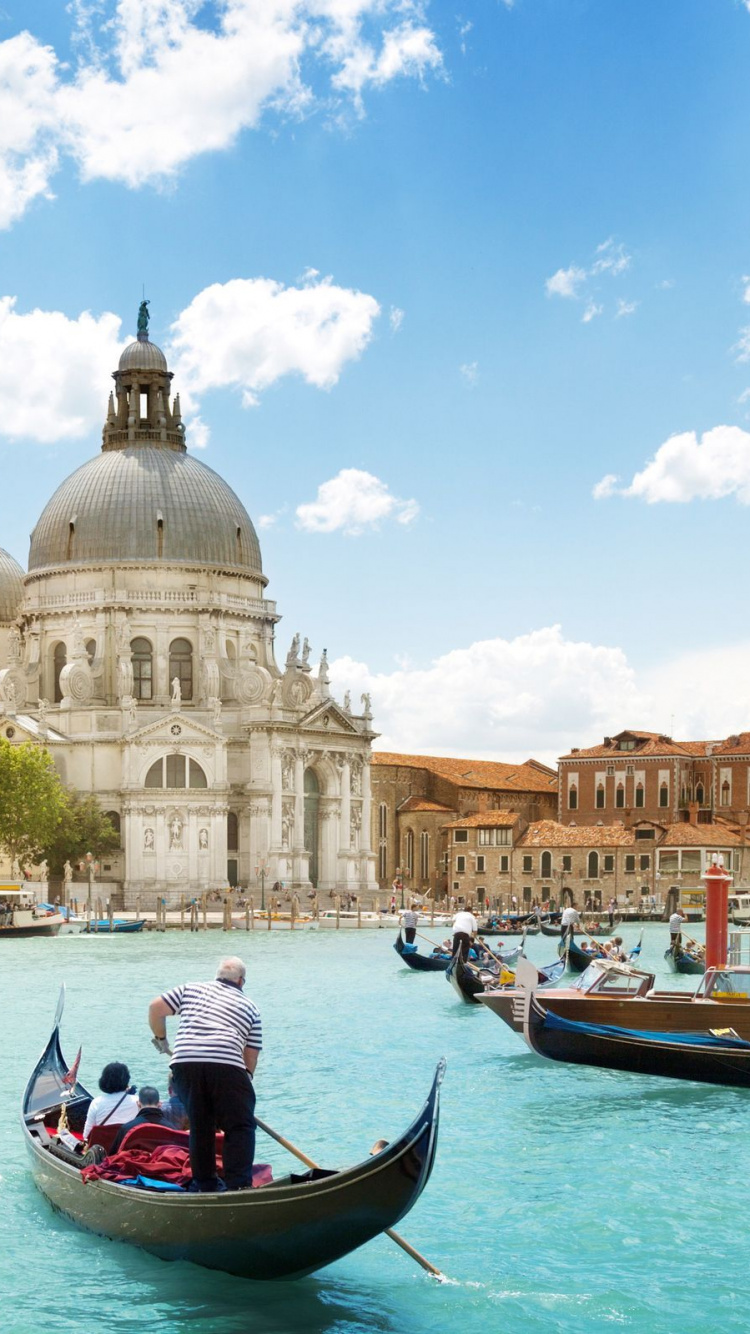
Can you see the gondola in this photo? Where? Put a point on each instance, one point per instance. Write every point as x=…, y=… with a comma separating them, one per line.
x=421, y=963
x=547, y=929
x=284, y=1230
x=678, y=961
x=578, y=959
x=510, y=926
x=716, y=1056
x=471, y=982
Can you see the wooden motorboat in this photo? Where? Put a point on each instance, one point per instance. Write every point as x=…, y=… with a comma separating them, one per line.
x=284, y=1230
x=679, y=960
x=420, y=963
x=23, y=916
x=716, y=1056
x=617, y=993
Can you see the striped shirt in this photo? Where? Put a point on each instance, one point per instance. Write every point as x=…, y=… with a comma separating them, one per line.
x=217, y=1023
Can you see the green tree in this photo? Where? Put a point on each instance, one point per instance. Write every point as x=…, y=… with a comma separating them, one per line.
x=31, y=800
x=83, y=828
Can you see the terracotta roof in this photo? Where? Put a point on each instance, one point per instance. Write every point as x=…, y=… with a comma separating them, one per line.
x=739, y=744
x=422, y=804
x=550, y=834
x=654, y=744
x=531, y=776
x=486, y=820
x=698, y=836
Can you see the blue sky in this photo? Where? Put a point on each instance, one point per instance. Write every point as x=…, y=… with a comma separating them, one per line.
x=534, y=218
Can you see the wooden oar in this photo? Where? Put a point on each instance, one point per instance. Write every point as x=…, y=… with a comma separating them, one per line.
x=389, y=1232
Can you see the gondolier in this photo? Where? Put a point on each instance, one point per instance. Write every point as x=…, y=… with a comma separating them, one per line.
x=409, y=920
x=215, y=1054
x=675, y=928
x=465, y=927
x=571, y=918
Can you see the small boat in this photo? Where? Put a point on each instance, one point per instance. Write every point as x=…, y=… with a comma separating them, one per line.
x=578, y=959
x=470, y=982
x=120, y=926
x=420, y=963
x=350, y=920
x=739, y=907
x=23, y=916
x=547, y=927
x=71, y=925
x=679, y=960
x=513, y=924
x=284, y=1230
x=715, y=1056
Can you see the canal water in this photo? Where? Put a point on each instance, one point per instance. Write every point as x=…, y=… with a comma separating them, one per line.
x=561, y=1199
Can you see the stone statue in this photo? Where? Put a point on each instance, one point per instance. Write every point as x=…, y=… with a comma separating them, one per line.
x=209, y=639
x=14, y=645
x=176, y=691
x=175, y=833
x=323, y=675
x=305, y=650
x=366, y=706
x=292, y=657
x=143, y=318
x=123, y=637
x=67, y=873
x=214, y=704
x=132, y=714
x=148, y=840
x=348, y=702
x=43, y=710
x=203, y=838
x=79, y=646
x=43, y=870
x=10, y=691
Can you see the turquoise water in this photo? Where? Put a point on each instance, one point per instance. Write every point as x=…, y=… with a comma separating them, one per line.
x=561, y=1197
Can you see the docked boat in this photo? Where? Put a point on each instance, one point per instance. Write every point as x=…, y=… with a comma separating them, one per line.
x=123, y=926
x=22, y=916
x=71, y=925
x=679, y=960
x=420, y=963
x=619, y=994
x=739, y=907
x=329, y=919
x=713, y=1056
x=283, y=1230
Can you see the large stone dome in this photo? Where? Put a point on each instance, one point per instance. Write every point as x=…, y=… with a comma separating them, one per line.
x=144, y=504
x=11, y=587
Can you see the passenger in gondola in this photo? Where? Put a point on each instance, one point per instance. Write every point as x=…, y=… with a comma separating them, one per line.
x=150, y=1112
x=173, y=1107
x=117, y=1101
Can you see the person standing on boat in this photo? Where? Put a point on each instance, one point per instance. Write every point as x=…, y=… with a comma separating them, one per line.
x=611, y=908
x=465, y=927
x=216, y=1051
x=571, y=918
x=675, y=927
x=409, y=919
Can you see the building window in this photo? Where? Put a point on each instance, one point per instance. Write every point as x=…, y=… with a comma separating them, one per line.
x=59, y=659
x=114, y=820
x=630, y=863
x=644, y=861
x=600, y=796
x=691, y=860
x=409, y=852
x=664, y=795
x=726, y=793
x=640, y=796
x=143, y=683
x=626, y=745
x=644, y=833
x=382, y=820
x=460, y=863
x=619, y=796
x=572, y=797
x=504, y=865
x=528, y=864
x=567, y=862
x=668, y=861
x=233, y=832
x=424, y=856
x=609, y=863
x=592, y=866
x=460, y=835
x=181, y=666
x=481, y=863
x=177, y=770
x=546, y=866
x=699, y=794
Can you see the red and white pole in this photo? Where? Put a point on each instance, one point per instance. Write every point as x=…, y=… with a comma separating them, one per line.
x=717, y=913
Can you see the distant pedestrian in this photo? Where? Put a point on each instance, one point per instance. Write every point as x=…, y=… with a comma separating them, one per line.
x=611, y=906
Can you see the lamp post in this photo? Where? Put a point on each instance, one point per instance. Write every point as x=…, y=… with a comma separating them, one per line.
x=260, y=870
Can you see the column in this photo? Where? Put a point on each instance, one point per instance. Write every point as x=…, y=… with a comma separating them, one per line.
x=299, y=802
x=366, y=830
x=345, y=810
x=276, y=799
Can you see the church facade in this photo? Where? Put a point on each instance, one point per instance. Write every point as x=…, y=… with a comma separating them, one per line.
x=143, y=653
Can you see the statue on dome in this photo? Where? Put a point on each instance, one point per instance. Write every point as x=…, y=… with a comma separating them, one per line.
x=143, y=318
x=305, y=650
x=323, y=673
x=292, y=657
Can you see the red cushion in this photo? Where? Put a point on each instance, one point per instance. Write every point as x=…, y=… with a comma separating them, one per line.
x=104, y=1135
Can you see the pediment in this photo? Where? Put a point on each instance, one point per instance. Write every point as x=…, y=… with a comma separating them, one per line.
x=175, y=728
x=22, y=727
x=328, y=718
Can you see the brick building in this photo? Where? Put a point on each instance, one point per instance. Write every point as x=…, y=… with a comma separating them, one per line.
x=415, y=796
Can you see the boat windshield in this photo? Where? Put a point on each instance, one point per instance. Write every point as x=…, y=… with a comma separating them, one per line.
x=728, y=983
x=605, y=977
x=588, y=977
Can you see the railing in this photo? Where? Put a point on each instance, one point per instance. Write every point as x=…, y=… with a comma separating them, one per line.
x=194, y=597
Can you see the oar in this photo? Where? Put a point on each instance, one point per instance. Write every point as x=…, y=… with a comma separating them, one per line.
x=389, y=1232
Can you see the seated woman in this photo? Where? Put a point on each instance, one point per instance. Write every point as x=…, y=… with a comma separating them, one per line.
x=116, y=1103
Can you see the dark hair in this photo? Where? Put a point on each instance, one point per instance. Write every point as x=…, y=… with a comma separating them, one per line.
x=148, y=1096
x=114, y=1078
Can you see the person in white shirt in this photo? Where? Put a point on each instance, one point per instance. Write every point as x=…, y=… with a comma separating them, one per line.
x=409, y=920
x=675, y=927
x=465, y=926
x=116, y=1103
x=571, y=918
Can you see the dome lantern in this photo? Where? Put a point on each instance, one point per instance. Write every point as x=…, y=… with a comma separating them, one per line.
x=143, y=385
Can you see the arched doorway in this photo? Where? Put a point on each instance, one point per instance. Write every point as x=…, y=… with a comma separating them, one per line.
x=312, y=821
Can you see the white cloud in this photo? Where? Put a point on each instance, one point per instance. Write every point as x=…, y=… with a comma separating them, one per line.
x=396, y=319
x=742, y=346
x=625, y=308
x=566, y=282
x=161, y=81
x=535, y=695
x=469, y=373
x=248, y=332
x=54, y=371
x=666, y=284
x=612, y=258
x=685, y=468
x=352, y=501
x=746, y=291
x=591, y=312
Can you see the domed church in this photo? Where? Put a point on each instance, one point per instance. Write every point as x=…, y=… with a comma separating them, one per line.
x=140, y=647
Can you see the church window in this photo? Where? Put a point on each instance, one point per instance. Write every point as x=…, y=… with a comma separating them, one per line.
x=59, y=659
x=424, y=856
x=71, y=538
x=143, y=401
x=546, y=866
x=181, y=665
x=382, y=840
x=197, y=777
x=239, y=546
x=173, y=771
x=143, y=669
x=592, y=868
x=233, y=832
x=155, y=775
x=409, y=852
x=176, y=771
x=159, y=536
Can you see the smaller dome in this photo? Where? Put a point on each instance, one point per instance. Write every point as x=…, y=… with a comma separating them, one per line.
x=143, y=356
x=11, y=587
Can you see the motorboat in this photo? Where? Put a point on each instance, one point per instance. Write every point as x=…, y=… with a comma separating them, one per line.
x=23, y=916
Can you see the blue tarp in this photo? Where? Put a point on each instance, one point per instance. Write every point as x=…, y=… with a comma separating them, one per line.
x=557, y=1021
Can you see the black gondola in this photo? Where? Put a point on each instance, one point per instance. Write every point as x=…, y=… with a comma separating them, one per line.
x=470, y=983
x=513, y=925
x=679, y=961
x=548, y=928
x=578, y=959
x=711, y=1057
x=421, y=963
x=285, y=1230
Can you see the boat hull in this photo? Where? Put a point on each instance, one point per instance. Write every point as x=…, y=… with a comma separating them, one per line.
x=672, y=1012
x=49, y=928
x=421, y=963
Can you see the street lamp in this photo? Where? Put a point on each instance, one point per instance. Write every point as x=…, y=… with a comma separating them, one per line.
x=260, y=870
